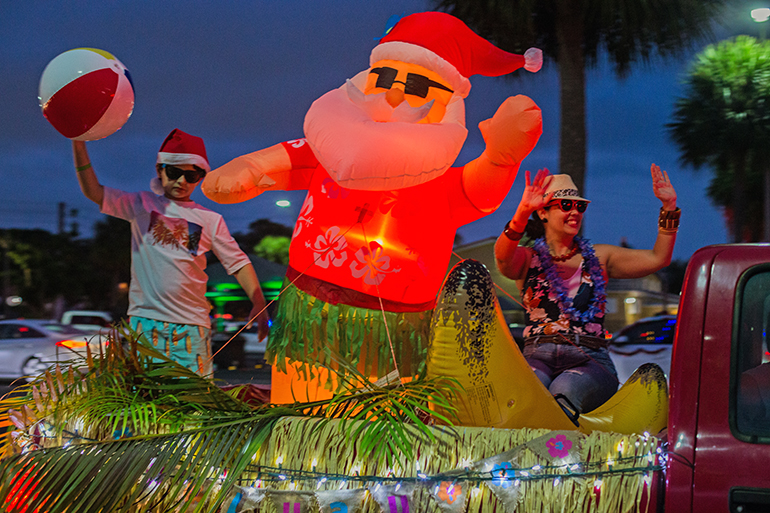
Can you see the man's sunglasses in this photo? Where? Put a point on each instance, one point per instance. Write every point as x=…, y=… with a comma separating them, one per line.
x=416, y=85
x=566, y=205
x=173, y=173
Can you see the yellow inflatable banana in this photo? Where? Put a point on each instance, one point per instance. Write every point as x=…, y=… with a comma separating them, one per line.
x=640, y=405
x=471, y=343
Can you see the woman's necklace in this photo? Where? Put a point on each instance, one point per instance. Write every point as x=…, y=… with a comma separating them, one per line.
x=566, y=256
x=594, y=268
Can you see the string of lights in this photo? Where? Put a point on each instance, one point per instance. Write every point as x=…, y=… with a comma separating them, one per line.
x=652, y=462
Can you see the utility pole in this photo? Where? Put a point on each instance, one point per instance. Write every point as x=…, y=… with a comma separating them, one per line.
x=61, y=216
x=6, y=276
x=74, y=226
x=62, y=220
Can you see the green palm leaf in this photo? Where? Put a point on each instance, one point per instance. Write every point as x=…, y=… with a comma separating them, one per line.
x=181, y=436
x=148, y=473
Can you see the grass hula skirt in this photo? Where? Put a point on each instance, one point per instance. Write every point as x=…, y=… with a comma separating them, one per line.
x=312, y=331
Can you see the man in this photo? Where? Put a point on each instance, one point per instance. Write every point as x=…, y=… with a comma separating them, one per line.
x=374, y=235
x=170, y=235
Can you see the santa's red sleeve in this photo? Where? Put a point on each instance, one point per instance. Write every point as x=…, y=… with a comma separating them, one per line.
x=303, y=164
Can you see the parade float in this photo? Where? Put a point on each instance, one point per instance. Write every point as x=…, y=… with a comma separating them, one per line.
x=130, y=430
x=391, y=392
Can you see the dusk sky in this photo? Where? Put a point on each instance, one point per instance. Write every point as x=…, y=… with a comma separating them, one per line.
x=242, y=75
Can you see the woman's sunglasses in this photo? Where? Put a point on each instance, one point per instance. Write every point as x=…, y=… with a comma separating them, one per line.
x=173, y=173
x=566, y=205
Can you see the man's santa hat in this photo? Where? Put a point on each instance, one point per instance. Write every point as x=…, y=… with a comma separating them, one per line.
x=182, y=148
x=442, y=43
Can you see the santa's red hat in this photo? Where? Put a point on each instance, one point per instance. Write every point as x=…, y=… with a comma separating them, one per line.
x=182, y=148
x=442, y=43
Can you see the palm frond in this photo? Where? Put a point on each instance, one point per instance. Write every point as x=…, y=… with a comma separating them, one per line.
x=395, y=413
x=144, y=473
x=134, y=391
x=131, y=430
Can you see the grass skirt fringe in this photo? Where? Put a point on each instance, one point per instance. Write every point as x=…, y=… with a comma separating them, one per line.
x=308, y=330
x=299, y=442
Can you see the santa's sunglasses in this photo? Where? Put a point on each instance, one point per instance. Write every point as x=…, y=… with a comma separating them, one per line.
x=566, y=205
x=416, y=85
x=173, y=173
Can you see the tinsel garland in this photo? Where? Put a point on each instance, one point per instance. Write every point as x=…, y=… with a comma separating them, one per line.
x=557, y=283
x=300, y=444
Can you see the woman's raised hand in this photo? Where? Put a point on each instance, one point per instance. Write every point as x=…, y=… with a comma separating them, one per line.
x=534, y=191
x=662, y=188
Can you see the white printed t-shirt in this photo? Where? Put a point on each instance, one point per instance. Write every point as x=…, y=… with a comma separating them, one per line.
x=169, y=240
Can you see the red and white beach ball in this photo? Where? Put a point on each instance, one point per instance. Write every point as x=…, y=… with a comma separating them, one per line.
x=86, y=94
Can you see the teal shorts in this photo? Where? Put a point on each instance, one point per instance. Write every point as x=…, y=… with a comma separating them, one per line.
x=187, y=344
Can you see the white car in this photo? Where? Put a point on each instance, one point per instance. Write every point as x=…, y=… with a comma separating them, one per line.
x=648, y=340
x=30, y=346
x=90, y=321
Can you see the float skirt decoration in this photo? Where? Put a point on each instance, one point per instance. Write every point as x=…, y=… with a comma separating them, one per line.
x=493, y=470
x=141, y=433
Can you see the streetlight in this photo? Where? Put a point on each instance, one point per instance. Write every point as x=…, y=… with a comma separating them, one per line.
x=761, y=15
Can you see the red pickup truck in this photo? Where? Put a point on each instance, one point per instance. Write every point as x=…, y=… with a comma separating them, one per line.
x=719, y=415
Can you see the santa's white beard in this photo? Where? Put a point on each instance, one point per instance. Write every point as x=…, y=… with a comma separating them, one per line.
x=360, y=153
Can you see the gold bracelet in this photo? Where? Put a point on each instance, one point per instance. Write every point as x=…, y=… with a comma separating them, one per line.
x=511, y=233
x=668, y=220
x=83, y=168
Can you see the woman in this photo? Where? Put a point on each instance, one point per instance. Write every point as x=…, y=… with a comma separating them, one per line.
x=562, y=280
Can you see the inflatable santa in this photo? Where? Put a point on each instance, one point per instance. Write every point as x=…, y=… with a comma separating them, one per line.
x=373, y=240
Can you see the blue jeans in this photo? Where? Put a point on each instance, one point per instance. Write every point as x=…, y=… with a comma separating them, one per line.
x=587, y=377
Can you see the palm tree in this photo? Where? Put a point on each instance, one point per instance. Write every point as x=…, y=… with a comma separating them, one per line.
x=723, y=121
x=572, y=33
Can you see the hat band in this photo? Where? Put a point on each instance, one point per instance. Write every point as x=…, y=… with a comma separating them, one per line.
x=565, y=193
x=176, y=159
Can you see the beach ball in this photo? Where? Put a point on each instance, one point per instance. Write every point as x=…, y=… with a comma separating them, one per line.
x=86, y=94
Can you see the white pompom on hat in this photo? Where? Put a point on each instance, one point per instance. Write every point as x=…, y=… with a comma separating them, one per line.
x=442, y=43
x=156, y=186
x=181, y=148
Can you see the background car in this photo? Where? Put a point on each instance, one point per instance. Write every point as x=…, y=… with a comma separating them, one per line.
x=243, y=351
x=648, y=340
x=89, y=321
x=30, y=346
x=254, y=347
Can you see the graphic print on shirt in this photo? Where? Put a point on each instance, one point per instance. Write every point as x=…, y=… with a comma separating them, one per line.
x=333, y=190
x=330, y=248
x=174, y=232
x=305, y=218
x=541, y=304
x=373, y=264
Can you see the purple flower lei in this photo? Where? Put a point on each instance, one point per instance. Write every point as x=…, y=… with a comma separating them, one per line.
x=557, y=284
